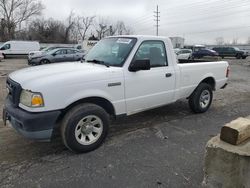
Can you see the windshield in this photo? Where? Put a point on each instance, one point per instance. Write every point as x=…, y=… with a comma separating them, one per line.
x=5, y=47
x=111, y=51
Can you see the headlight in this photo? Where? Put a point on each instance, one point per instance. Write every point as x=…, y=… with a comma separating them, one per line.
x=36, y=57
x=31, y=99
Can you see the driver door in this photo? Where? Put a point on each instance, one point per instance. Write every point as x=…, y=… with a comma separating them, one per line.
x=147, y=89
x=60, y=55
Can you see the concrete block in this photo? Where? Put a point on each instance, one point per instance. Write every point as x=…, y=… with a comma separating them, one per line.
x=236, y=131
x=226, y=165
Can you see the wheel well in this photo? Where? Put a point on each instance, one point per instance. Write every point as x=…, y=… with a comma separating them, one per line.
x=104, y=103
x=210, y=81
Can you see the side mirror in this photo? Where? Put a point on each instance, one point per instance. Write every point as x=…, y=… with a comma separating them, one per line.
x=140, y=64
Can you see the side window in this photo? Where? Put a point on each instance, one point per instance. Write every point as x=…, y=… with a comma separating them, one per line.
x=58, y=52
x=5, y=47
x=64, y=51
x=154, y=51
x=71, y=51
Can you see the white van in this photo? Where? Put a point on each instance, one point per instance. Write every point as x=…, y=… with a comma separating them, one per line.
x=19, y=47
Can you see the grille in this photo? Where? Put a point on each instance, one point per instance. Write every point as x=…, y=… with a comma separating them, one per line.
x=14, y=90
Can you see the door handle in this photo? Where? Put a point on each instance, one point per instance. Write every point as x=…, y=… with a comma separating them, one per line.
x=168, y=75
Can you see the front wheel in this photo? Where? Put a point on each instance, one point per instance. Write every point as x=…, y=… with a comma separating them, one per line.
x=238, y=56
x=85, y=127
x=44, y=61
x=201, y=98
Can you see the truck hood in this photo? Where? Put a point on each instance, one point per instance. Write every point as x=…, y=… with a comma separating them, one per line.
x=67, y=73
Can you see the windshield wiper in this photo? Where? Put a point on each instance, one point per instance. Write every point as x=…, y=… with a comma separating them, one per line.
x=98, y=62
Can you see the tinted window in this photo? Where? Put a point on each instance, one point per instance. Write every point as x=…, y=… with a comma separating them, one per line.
x=154, y=51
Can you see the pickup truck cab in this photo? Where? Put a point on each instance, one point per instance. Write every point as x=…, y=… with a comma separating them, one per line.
x=121, y=75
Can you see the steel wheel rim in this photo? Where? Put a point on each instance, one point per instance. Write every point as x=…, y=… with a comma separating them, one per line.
x=88, y=130
x=205, y=98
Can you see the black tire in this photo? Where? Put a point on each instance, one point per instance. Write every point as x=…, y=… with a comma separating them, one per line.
x=4, y=56
x=238, y=56
x=244, y=57
x=44, y=61
x=195, y=99
x=222, y=57
x=72, y=119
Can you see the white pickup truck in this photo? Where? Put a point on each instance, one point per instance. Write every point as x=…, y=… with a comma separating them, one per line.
x=121, y=75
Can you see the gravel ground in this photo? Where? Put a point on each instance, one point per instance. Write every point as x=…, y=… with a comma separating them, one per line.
x=159, y=148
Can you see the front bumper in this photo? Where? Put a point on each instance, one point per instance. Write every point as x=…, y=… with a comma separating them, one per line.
x=36, y=126
x=34, y=61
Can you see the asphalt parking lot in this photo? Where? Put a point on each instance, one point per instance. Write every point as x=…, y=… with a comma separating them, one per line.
x=164, y=147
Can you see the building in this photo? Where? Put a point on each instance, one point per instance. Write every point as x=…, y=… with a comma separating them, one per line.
x=178, y=42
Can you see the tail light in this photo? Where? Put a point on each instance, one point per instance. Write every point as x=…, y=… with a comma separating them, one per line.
x=227, y=73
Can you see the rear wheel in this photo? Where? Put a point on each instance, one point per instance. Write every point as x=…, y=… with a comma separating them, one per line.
x=201, y=98
x=244, y=57
x=85, y=127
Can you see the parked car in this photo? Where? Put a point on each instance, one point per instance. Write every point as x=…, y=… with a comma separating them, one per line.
x=33, y=54
x=78, y=100
x=184, y=54
x=12, y=48
x=204, y=53
x=57, y=55
x=231, y=52
x=176, y=50
x=1, y=56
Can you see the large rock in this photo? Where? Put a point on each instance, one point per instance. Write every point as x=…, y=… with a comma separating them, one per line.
x=226, y=165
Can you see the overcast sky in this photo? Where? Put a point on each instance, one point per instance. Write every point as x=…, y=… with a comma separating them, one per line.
x=198, y=21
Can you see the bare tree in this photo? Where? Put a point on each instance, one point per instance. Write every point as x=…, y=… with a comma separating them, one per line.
x=15, y=12
x=106, y=28
x=102, y=27
x=69, y=27
x=47, y=31
x=219, y=40
x=83, y=24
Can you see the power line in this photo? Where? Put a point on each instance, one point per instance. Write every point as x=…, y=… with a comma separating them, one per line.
x=222, y=29
x=157, y=16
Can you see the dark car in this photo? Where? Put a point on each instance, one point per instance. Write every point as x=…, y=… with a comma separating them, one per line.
x=204, y=52
x=231, y=52
x=57, y=55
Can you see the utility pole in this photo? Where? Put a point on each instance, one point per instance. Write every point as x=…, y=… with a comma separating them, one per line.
x=157, y=16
